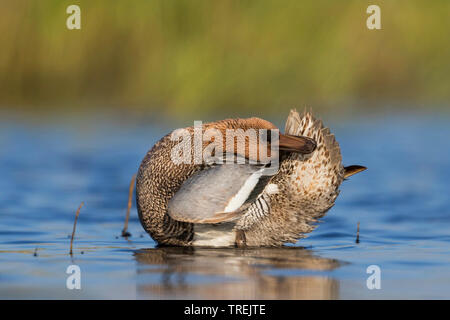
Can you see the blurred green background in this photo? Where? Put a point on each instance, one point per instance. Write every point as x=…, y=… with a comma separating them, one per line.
x=208, y=57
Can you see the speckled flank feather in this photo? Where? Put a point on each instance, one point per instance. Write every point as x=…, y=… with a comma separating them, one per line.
x=308, y=186
x=318, y=175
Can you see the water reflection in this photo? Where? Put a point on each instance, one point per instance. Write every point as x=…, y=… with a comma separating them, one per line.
x=260, y=273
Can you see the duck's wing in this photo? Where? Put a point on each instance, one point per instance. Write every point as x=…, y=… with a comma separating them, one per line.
x=219, y=193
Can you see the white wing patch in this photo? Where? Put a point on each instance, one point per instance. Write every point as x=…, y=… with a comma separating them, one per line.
x=239, y=198
x=272, y=188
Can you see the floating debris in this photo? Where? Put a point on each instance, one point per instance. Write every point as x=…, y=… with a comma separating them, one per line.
x=125, y=232
x=357, y=233
x=75, y=226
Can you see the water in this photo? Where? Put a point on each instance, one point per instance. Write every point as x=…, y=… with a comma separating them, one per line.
x=401, y=202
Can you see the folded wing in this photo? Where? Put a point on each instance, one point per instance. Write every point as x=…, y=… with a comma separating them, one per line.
x=217, y=194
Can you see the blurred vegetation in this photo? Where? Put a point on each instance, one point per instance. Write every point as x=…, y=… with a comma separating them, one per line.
x=180, y=57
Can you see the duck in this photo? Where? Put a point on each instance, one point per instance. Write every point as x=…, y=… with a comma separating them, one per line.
x=267, y=198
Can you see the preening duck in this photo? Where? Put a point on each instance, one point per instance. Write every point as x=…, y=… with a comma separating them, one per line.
x=272, y=192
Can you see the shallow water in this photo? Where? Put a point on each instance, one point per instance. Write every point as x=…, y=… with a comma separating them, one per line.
x=401, y=203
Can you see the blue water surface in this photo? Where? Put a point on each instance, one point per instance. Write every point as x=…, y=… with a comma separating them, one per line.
x=401, y=203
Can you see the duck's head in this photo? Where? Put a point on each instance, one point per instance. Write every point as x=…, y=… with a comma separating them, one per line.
x=256, y=132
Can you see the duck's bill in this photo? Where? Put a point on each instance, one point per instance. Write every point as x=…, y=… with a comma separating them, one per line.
x=297, y=144
x=351, y=170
